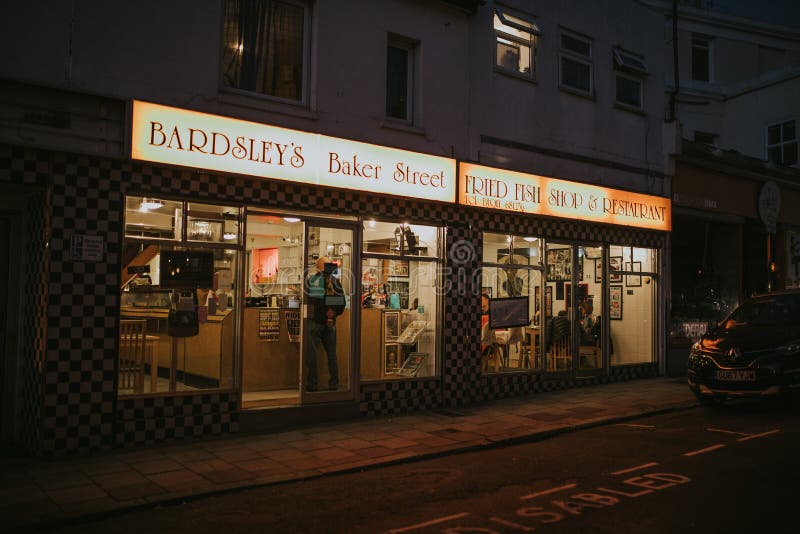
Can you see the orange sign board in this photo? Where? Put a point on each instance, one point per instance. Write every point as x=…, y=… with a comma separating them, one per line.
x=488, y=187
x=176, y=136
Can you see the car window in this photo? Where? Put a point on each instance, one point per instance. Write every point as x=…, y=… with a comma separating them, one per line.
x=773, y=310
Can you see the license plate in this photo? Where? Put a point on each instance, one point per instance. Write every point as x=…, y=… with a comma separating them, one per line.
x=748, y=375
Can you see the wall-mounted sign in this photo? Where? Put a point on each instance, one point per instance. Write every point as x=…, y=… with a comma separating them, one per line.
x=180, y=137
x=86, y=247
x=488, y=187
x=769, y=205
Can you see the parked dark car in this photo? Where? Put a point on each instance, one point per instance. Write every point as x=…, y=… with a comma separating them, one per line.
x=753, y=352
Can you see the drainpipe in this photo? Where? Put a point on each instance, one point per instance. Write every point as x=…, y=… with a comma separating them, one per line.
x=674, y=96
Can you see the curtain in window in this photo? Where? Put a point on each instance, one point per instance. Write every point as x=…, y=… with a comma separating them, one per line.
x=263, y=47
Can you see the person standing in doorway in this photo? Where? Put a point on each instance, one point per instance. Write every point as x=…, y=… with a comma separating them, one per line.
x=327, y=301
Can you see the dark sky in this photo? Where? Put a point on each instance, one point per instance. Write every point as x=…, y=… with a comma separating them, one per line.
x=784, y=12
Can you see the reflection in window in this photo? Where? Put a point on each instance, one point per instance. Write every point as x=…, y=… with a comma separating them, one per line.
x=264, y=47
x=400, y=294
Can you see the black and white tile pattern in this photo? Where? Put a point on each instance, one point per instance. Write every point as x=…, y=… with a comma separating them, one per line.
x=70, y=395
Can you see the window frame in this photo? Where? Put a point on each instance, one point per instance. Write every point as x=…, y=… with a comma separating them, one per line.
x=781, y=144
x=707, y=45
x=306, y=58
x=411, y=107
x=501, y=12
x=438, y=258
x=632, y=67
x=576, y=57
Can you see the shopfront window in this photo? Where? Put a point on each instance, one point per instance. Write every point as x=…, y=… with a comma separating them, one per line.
x=511, y=303
x=177, y=326
x=633, y=282
x=400, y=300
x=590, y=307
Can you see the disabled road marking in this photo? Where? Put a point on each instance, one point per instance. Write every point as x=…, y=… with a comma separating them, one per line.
x=702, y=451
x=754, y=436
x=547, y=492
x=727, y=431
x=428, y=523
x=637, y=468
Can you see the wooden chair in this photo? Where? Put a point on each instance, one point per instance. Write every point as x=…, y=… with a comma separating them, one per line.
x=132, y=352
x=561, y=352
x=492, y=353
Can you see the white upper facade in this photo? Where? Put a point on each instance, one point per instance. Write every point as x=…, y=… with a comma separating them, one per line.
x=738, y=80
x=569, y=89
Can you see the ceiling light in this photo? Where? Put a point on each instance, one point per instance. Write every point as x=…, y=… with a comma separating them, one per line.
x=291, y=219
x=530, y=239
x=150, y=204
x=229, y=235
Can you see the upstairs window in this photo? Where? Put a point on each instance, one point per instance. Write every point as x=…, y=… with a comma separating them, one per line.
x=516, y=40
x=576, y=62
x=265, y=47
x=782, y=143
x=630, y=70
x=701, y=58
x=400, y=79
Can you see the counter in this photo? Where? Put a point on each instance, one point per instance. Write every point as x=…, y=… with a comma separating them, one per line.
x=274, y=365
x=204, y=360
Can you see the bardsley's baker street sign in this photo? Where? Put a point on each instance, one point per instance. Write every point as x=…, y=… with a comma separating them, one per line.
x=176, y=136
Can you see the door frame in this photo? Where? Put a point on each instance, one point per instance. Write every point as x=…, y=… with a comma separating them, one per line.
x=322, y=396
x=15, y=206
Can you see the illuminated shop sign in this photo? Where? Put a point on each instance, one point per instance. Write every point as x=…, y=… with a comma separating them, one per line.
x=487, y=187
x=180, y=137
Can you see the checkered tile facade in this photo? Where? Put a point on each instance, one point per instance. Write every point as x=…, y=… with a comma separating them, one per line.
x=74, y=393
x=151, y=420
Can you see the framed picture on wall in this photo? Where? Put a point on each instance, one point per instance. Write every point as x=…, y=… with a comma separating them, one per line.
x=391, y=325
x=614, y=269
x=598, y=271
x=632, y=280
x=398, y=268
x=615, y=303
x=391, y=358
x=548, y=301
x=559, y=264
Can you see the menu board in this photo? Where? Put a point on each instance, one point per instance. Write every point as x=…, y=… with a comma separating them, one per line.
x=269, y=324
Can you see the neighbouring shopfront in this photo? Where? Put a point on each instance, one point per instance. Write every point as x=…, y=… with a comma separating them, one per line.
x=734, y=234
x=230, y=268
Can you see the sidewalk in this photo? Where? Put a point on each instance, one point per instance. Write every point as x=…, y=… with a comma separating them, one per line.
x=40, y=492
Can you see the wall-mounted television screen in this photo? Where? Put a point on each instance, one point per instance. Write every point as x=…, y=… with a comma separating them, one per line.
x=185, y=269
x=508, y=312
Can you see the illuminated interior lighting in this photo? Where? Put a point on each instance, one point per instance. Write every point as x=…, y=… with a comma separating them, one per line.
x=229, y=235
x=150, y=204
x=291, y=219
x=530, y=239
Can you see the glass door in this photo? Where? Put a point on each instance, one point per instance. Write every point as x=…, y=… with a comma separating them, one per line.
x=329, y=282
x=588, y=308
x=558, y=308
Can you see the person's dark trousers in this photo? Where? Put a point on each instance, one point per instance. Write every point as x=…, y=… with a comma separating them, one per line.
x=320, y=334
